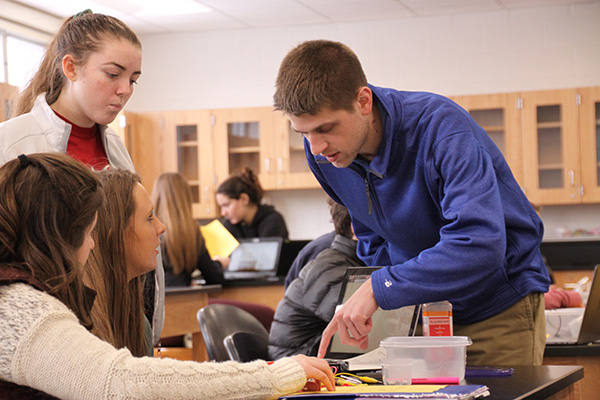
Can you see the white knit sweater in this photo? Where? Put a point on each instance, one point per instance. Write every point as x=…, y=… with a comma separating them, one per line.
x=42, y=345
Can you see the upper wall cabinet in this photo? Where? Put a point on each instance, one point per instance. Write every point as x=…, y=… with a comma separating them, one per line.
x=500, y=116
x=589, y=124
x=550, y=140
x=551, y=146
x=189, y=144
x=261, y=139
x=560, y=145
x=176, y=141
x=244, y=138
x=292, y=168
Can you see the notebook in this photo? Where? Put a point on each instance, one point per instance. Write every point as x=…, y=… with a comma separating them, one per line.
x=254, y=259
x=590, y=327
x=400, y=322
x=370, y=392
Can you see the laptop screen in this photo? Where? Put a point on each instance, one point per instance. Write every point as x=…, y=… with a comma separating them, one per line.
x=259, y=255
x=562, y=323
x=590, y=328
x=386, y=323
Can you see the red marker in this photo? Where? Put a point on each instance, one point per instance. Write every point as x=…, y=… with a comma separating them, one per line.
x=442, y=380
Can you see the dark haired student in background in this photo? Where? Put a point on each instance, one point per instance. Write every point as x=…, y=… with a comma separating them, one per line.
x=240, y=197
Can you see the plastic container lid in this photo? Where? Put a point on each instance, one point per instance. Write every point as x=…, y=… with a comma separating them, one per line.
x=426, y=341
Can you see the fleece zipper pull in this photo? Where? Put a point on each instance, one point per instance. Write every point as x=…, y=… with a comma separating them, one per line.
x=369, y=200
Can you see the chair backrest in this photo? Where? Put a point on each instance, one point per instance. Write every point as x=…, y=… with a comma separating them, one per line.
x=246, y=346
x=261, y=312
x=219, y=320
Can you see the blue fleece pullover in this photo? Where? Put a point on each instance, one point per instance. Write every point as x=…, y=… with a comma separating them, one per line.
x=439, y=208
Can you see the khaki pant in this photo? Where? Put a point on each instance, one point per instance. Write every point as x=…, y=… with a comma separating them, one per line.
x=516, y=336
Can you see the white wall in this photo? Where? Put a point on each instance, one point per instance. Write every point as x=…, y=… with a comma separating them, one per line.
x=529, y=49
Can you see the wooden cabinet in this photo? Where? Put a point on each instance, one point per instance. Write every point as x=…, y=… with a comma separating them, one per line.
x=500, y=116
x=551, y=147
x=549, y=138
x=261, y=138
x=560, y=144
x=189, y=144
x=244, y=138
x=206, y=146
x=176, y=141
x=292, y=168
x=589, y=125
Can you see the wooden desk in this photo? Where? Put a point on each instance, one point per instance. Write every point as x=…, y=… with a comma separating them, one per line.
x=587, y=356
x=181, y=306
x=265, y=293
x=534, y=383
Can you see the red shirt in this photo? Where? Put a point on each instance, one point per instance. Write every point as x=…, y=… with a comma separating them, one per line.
x=85, y=145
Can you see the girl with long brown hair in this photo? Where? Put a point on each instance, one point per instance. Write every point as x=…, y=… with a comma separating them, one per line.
x=48, y=211
x=182, y=244
x=86, y=77
x=115, y=271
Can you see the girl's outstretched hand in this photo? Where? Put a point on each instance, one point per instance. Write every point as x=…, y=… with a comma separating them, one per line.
x=317, y=372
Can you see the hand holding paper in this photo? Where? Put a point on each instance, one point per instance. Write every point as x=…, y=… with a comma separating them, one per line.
x=218, y=240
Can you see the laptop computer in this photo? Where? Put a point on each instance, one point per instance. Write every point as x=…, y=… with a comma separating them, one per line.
x=289, y=251
x=590, y=325
x=254, y=259
x=386, y=323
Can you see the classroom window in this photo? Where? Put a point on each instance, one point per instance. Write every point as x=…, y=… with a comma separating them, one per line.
x=2, y=57
x=23, y=58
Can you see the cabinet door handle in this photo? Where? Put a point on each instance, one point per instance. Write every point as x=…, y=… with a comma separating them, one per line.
x=267, y=164
x=280, y=164
x=572, y=177
x=206, y=191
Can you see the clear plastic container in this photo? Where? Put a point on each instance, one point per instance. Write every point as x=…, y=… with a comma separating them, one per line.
x=431, y=357
x=396, y=372
x=563, y=324
x=437, y=319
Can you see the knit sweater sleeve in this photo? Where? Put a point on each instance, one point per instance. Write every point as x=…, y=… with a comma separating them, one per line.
x=46, y=348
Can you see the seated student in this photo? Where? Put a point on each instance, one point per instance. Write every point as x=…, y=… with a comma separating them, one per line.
x=556, y=297
x=48, y=210
x=125, y=250
x=182, y=244
x=308, y=252
x=309, y=302
x=561, y=298
x=240, y=198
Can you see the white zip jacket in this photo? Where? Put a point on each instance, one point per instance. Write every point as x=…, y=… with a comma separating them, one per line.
x=42, y=131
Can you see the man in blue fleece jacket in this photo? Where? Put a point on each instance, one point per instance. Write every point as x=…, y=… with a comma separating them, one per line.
x=432, y=200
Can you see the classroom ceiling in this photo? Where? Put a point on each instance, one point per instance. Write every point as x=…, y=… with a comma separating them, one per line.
x=160, y=16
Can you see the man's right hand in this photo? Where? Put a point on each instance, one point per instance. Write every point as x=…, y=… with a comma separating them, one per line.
x=353, y=321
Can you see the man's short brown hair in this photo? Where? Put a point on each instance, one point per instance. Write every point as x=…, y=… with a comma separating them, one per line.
x=318, y=74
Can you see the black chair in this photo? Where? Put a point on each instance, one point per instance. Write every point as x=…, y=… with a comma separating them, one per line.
x=219, y=320
x=246, y=346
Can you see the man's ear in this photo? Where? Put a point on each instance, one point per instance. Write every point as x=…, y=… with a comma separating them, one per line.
x=364, y=96
x=69, y=67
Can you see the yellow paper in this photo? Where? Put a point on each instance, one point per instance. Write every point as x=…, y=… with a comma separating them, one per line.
x=219, y=241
